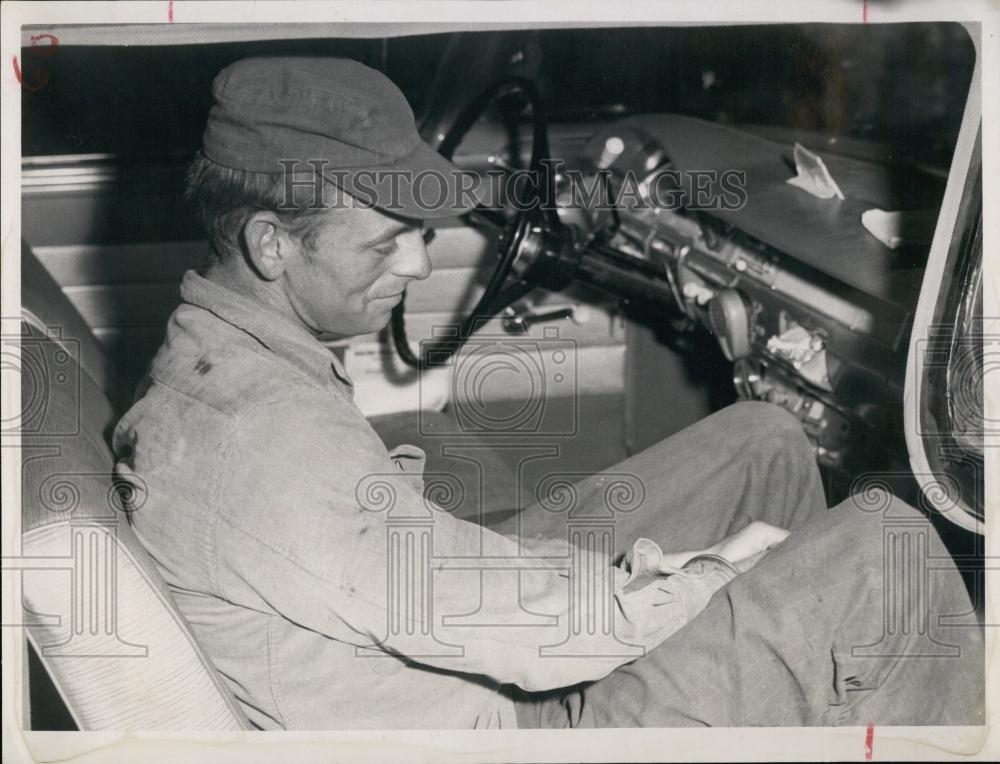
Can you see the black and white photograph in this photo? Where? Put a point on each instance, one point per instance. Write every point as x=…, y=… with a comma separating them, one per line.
x=499, y=381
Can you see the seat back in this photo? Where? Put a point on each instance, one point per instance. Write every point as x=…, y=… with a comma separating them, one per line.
x=99, y=615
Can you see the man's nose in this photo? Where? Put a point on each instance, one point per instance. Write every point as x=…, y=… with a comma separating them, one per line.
x=412, y=261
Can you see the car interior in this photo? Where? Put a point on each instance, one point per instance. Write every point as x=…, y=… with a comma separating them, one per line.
x=655, y=317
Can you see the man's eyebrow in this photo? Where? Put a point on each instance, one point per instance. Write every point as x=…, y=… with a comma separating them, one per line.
x=392, y=233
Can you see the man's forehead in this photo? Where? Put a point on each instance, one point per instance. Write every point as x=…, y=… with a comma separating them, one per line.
x=371, y=221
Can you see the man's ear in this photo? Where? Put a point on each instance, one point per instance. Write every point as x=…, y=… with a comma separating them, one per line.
x=268, y=245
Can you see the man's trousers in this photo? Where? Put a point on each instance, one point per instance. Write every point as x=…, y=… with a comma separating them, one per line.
x=859, y=617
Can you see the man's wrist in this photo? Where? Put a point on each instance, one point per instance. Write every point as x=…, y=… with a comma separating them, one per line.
x=716, y=558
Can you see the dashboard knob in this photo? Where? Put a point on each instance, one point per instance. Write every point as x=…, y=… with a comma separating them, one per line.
x=730, y=320
x=613, y=148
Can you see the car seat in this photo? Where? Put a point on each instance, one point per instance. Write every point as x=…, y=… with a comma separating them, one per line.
x=96, y=611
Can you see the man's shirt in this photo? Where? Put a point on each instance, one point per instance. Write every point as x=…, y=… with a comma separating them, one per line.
x=328, y=592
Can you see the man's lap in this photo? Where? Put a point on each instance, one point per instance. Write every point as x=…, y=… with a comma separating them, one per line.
x=777, y=646
x=784, y=643
x=810, y=636
x=749, y=461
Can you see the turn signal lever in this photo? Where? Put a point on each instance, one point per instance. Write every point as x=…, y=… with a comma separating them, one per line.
x=519, y=318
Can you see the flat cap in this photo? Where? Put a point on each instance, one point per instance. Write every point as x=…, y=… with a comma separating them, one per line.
x=272, y=113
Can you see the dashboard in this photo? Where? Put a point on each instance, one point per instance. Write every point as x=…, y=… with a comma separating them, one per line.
x=697, y=221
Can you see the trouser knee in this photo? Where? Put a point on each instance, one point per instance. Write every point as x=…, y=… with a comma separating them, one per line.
x=874, y=525
x=766, y=427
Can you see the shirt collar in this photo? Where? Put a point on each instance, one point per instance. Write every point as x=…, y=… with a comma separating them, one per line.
x=276, y=332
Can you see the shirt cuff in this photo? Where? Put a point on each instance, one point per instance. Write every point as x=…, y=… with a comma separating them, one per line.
x=655, y=605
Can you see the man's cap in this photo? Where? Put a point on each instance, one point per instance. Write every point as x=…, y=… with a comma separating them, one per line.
x=334, y=111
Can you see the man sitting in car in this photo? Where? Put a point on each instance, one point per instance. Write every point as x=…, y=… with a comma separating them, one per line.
x=743, y=599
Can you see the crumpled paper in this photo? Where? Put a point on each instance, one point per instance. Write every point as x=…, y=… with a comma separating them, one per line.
x=812, y=175
x=906, y=227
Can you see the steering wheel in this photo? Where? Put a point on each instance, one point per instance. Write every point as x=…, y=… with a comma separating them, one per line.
x=525, y=231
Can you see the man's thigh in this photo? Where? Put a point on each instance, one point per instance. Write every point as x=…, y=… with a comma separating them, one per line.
x=811, y=636
x=749, y=461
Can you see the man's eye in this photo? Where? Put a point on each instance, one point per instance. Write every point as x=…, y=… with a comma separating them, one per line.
x=388, y=248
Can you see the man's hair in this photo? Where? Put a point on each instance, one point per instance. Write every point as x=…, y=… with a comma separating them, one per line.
x=226, y=198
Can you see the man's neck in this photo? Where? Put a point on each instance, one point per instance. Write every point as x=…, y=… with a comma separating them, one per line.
x=237, y=277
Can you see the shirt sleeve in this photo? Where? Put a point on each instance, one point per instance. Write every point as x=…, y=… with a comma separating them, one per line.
x=318, y=524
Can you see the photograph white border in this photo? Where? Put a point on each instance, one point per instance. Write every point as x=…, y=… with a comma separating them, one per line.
x=748, y=744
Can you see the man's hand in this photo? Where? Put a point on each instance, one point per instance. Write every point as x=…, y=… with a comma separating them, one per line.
x=647, y=559
x=754, y=539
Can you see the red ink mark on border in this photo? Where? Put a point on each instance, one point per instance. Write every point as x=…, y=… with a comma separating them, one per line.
x=53, y=40
x=170, y=11
x=864, y=12
x=41, y=75
x=869, y=741
x=17, y=70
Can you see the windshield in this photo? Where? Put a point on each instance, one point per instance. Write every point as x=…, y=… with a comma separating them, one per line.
x=900, y=87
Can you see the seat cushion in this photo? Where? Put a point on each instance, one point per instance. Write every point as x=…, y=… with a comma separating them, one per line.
x=101, y=619
x=44, y=304
x=113, y=643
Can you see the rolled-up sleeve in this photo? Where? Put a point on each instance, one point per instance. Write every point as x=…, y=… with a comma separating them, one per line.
x=319, y=525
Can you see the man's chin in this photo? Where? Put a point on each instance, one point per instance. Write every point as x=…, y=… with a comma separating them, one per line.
x=378, y=322
x=373, y=321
